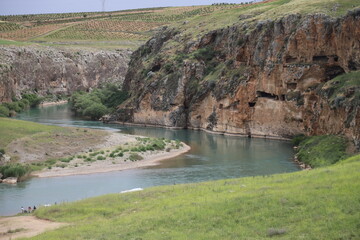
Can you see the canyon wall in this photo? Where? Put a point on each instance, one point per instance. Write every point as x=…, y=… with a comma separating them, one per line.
x=50, y=70
x=274, y=78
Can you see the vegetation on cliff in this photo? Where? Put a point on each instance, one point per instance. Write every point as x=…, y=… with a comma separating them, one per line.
x=98, y=102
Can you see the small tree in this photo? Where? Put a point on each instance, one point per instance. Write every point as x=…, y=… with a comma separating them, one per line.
x=4, y=111
x=95, y=111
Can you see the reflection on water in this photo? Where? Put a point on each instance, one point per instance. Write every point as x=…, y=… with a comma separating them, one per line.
x=211, y=157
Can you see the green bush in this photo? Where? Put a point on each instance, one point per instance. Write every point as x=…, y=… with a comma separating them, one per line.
x=33, y=99
x=4, y=111
x=205, y=54
x=88, y=159
x=66, y=160
x=95, y=111
x=298, y=139
x=100, y=158
x=99, y=102
x=14, y=106
x=14, y=170
x=51, y=161
x=2, y=151
x=135, y=157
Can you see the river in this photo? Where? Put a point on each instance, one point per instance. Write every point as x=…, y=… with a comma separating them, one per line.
x=211, y=157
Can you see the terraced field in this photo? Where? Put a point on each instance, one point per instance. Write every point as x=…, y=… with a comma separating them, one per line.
x=133, y=25
x=24, y=34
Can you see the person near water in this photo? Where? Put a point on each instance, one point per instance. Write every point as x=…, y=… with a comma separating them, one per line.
x=29, y=209
x=34, y=208
x=22, y=209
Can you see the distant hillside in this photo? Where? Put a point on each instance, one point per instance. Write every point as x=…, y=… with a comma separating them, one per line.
x=135, y=26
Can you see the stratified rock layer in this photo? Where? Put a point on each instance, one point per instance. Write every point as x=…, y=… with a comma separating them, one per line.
x=47, y=70
x=264, y=79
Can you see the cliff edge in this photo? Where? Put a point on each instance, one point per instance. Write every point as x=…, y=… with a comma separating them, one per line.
x=275, y=77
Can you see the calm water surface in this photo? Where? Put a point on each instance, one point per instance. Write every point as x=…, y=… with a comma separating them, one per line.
x=211, y=157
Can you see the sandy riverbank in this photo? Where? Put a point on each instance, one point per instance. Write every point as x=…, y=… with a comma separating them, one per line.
x=79, y=167
x=53, y=103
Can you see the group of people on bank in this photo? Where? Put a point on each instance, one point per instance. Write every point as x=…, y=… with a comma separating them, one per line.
x=29, y=209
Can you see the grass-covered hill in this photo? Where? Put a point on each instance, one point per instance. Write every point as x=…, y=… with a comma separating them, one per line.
x=317, y=204
x=129, y=25
x=133, y=27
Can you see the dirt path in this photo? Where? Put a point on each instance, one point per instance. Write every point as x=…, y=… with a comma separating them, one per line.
x=25, y=226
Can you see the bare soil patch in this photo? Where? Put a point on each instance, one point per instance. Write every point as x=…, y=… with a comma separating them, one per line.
x=25, y=226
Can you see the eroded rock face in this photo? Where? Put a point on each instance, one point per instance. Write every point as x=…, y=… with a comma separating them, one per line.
x=46, y=70
x=265, y=79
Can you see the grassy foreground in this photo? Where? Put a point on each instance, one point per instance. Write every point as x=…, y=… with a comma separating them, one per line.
x=320, y=204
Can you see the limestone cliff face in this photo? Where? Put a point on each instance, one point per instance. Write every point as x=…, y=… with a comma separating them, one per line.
x=269, y=78
x=47, y=70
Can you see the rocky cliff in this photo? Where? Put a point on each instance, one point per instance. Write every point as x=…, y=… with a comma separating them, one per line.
x=273, y=78
x=47, y=70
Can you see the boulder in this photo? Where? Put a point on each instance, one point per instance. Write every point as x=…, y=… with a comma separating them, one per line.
x=10, y=180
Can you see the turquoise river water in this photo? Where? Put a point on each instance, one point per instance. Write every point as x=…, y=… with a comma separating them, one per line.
x=211, y=157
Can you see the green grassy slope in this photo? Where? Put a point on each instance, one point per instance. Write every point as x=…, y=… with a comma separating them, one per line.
x=140, y=24
x=269, y=10
x=11, y=129
x=320, y=204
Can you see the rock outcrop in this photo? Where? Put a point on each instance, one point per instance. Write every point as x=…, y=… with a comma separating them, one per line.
x=268, y=78
x=10, y=180
x=48, y=70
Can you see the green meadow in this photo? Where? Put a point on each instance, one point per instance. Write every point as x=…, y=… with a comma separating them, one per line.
x=323, y=203
x=11, y=129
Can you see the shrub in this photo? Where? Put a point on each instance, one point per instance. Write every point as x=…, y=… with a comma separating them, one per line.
x=33, y=99
x=98, y=102
x=2, y=151
x=4, y=111
x=205, y=54
x=66, y=160
x=100, y=158
x=14, y=170
x=13, y=106
x=158, y=144
x=121, y=154
x=51, y=161
x=95, y=111
x=88, y=159
x=298, y=139
x=135, y=157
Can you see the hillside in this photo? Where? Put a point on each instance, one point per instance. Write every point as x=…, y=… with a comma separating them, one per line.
x=128, y=28
x=318, y=204
x=262, y=70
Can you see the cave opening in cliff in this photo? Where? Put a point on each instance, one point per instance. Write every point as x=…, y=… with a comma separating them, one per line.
x=333, y=71
x=266, y=95
x=252, y=104
x=320, y=59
